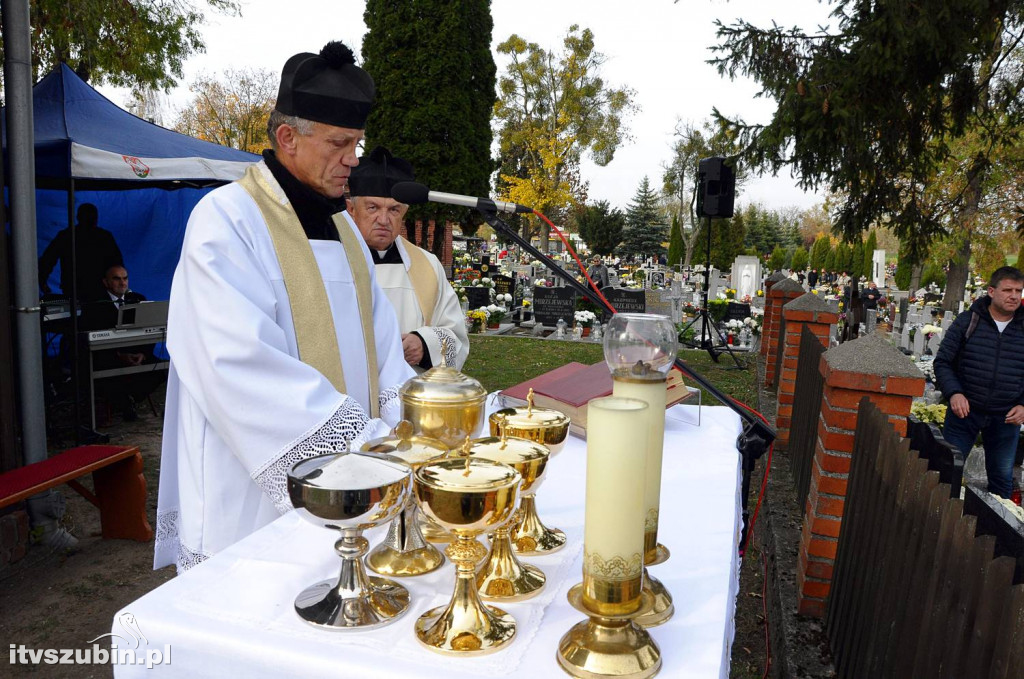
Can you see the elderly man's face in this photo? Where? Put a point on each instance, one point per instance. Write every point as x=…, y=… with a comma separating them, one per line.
x=324, y=159
x=379, y=219
x=116, y=280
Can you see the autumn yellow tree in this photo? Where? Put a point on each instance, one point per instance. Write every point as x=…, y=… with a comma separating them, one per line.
x=232, y=110
x=552, y=108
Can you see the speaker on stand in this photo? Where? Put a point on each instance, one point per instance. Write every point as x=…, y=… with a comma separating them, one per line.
x=716, y=187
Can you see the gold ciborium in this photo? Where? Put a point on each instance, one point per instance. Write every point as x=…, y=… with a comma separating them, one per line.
x=404, y=552
x=550, y=428
x=446, y=405
x=468, y=496
x=350, y=492
x=503, y=577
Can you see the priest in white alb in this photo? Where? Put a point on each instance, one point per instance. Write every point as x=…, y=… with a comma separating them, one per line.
x=282, y=344
x=429, y=314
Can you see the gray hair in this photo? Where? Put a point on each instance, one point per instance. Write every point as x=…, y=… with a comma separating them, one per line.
x=302, y=126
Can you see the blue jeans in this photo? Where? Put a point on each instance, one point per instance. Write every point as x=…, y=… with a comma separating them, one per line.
x=997, y=437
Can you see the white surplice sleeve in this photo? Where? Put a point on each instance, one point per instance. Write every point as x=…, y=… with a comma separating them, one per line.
x=448, y=323
x=233, y=347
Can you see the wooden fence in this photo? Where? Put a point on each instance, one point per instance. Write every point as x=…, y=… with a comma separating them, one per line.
x=916, y=592
x=803, y=427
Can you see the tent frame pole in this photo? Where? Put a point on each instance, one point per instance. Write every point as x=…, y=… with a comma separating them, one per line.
x=21, y=155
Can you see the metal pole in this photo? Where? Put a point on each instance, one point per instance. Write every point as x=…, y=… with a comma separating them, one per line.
x=21, y=154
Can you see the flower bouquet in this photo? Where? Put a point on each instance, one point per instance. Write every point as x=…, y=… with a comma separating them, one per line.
x=495, y=315
x=585, y=319
x=477, y=319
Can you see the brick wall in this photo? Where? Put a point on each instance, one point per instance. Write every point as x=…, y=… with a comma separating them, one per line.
x=868, y=366
x=807, y=310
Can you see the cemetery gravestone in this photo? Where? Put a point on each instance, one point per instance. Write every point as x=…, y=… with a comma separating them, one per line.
x=655, y=304
x=878, y=267
x=746, y=276
x=626, y=301
x=737, y=311
x=478, y=296
x=503, y=285
x=550, y=304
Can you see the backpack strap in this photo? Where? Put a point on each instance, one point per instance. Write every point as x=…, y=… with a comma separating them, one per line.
x=975, y=317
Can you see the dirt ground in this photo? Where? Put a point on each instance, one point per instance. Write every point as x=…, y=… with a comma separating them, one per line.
x=54, y=600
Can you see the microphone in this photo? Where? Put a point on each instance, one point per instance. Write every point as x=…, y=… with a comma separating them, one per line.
x=414, y=193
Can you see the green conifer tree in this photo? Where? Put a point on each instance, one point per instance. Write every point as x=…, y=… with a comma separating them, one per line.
x=645, y=227
x=676, y=247
x=432, y=63
x=869, y=253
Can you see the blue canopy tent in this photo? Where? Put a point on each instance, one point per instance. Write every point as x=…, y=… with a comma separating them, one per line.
x=143, y=178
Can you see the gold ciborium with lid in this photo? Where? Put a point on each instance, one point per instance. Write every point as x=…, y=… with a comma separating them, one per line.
x=404, y=552
x=547, y=427
x=503, y=576
x=446, y=405
x=468, y=496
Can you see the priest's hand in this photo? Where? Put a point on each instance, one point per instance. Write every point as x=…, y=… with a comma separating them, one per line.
x=412, y=346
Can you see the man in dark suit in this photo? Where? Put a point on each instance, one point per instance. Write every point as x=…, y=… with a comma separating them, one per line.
x=99, y=314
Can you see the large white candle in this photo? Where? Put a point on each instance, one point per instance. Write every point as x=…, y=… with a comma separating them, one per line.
x=613, y=542
x=655, y=395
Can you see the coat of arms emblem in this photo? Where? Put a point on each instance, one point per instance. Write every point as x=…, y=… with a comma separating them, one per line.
x=140, y=169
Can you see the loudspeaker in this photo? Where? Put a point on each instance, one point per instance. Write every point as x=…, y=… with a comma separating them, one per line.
x=716, y=186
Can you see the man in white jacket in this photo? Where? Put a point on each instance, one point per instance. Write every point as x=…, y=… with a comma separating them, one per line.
x=429, y=315
x=282, y=344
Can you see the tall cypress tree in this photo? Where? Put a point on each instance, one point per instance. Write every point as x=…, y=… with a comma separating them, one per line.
x=869, y=253
x=676, y=247
x=431, y=61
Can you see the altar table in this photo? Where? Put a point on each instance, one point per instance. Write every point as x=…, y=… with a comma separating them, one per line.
x=233, y=615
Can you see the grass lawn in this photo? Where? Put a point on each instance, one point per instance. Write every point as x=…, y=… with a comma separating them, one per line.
x=500, y=362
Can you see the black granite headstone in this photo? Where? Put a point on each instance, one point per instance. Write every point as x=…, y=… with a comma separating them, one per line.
x=626, y=301
x=737, y=311
x=502, y=284
x=478, y=296
x=550, y=304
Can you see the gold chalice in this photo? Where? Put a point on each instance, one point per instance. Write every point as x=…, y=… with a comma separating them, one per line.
x=350, y=492
x=446, y=405
x=503, y=576
x=468, y=496
x=404, y=552
x=550, y=428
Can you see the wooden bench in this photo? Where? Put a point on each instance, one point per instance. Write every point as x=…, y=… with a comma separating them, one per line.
x=117, y=477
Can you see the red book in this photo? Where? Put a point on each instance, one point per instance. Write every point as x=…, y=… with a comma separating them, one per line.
x=520, y=390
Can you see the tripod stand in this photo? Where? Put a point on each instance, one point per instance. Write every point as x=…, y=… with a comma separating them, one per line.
x=707, y=323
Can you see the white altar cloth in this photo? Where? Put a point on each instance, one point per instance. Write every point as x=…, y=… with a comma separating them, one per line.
x=233, y=615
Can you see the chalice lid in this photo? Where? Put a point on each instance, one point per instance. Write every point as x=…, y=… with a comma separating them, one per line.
x=413, y=449
x=509, y=450
x=467, y=474
x=525, y=417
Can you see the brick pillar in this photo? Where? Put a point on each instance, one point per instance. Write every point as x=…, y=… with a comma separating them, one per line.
x=867, y=366
x=781, y=293
x=807, y=310
x=766, y=322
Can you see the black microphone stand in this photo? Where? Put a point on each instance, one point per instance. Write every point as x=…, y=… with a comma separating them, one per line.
x=756, y=436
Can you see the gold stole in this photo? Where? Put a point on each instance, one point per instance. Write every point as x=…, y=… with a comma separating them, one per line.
x=424, y=280
x=315, y=332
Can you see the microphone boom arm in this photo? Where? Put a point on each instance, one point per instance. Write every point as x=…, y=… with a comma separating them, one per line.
x=756, y=436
